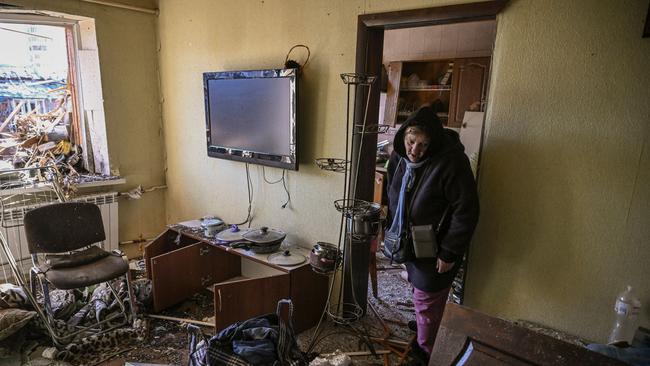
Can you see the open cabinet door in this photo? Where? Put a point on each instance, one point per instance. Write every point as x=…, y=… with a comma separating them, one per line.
x=244, y=299
x=179, y=274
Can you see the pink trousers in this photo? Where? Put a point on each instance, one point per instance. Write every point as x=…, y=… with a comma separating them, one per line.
x=429, y=307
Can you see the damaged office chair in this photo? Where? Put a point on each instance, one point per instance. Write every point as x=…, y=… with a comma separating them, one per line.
x=64, y=235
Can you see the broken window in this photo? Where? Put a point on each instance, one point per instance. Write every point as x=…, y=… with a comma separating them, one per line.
x=51, y=108
x=35, y=90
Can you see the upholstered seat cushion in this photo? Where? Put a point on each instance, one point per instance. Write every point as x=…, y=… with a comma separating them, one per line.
x=89, y=255
x=87, y=274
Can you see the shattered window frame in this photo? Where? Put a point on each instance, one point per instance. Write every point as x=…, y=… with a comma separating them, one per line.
x=86, y=152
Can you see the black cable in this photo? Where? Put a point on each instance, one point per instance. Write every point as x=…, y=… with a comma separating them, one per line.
x=284, y=184
x=250, y=194
x=249, y=185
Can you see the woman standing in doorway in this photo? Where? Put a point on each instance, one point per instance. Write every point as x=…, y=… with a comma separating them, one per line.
x=430, y=183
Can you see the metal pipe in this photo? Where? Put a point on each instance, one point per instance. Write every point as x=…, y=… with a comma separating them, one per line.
x=123, y=6
x=136, y=241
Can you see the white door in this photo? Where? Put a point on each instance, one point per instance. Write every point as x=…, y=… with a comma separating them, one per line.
x=470, y=136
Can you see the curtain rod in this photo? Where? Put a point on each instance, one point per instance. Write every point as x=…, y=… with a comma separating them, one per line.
x=123, y=6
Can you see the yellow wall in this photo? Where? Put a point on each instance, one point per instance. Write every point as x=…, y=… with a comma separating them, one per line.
x=565, y=175
x=128, y=61
x=566, y=172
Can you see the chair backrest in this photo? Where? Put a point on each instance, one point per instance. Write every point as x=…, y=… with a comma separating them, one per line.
x=62, y=227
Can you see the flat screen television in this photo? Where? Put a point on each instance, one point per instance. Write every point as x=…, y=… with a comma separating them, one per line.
x=251, y=116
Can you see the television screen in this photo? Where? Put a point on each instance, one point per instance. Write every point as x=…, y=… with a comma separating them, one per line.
x=251, y=116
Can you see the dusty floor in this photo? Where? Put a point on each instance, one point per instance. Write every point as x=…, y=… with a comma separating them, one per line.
x=167, y=342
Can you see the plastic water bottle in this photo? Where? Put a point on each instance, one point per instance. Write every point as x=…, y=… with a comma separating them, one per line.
x=627, y=311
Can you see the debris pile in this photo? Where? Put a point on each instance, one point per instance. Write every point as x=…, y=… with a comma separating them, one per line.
x=32, y=139
x=21, y=329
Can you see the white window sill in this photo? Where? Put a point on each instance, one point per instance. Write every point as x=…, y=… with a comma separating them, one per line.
x=44, y=187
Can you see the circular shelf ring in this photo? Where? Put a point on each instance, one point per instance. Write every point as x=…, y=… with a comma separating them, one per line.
x=370, y=129
x=351, y=207
x=345, y=313
x=332, y=164
x=358, y=79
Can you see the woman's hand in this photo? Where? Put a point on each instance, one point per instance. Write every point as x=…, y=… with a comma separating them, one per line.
x=443, y=266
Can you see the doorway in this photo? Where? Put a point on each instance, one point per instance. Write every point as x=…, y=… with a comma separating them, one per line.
x=373, y=32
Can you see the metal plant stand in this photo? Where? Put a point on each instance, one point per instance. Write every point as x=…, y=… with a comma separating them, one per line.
x=359, y=225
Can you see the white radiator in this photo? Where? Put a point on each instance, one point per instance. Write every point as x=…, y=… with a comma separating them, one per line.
x=14, y=231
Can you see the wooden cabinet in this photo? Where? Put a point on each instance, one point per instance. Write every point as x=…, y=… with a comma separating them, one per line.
x=181, y=262
x=242, y=299
x=469, y=88
x=453, y=85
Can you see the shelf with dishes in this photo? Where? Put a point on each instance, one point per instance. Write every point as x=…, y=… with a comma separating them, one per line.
x=452, y=86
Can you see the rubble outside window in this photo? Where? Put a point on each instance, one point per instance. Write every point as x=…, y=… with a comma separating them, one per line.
x=42, y=119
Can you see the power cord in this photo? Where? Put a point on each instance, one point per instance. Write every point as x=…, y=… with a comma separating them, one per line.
x=292, y=64
x=284, y=184
x=249, y=185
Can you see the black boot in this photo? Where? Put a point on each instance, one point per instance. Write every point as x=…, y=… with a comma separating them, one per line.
x=416, y=356
x=413, y=325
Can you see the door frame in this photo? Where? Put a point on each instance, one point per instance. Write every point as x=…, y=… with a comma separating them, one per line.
x=370, y=45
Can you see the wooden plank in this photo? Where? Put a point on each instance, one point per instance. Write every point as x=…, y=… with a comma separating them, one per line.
x=11, y=115
x=179, y=274
x=437, y=15
x=309, y=294
x=392, y=92
x=468, y=337
x=94, y=109
x=180, y=320
x=367, y=353
x=241, y=300
x=75, y=125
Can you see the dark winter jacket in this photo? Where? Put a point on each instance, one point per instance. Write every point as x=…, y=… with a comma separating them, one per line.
x=446, y=180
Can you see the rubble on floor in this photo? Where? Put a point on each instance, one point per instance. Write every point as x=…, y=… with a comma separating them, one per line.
x=165, y=342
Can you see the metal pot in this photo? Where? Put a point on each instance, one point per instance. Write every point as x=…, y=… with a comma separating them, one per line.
x=366, y=224
x=256, y=248
x=323, y=257
x=265, y=236
x=264, y=240
x=211, y=226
